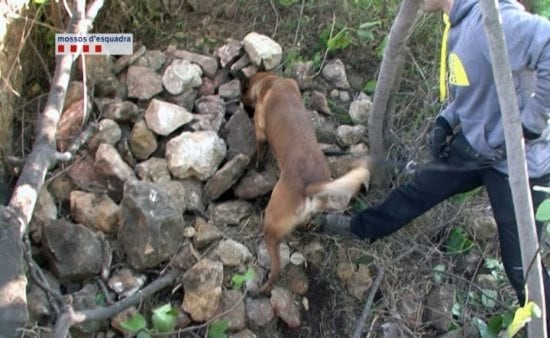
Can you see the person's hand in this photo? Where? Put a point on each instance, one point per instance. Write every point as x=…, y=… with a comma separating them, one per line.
x=437, y=138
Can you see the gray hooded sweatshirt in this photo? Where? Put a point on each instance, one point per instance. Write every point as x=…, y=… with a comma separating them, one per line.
x=473, y=103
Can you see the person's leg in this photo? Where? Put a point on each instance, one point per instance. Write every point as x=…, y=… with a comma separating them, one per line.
x=426, y=189
x=500, y=196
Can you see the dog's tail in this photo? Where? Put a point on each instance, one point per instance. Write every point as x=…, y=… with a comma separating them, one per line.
x=347, y=185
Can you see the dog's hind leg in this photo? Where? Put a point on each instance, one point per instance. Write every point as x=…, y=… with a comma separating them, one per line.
x=280, y=218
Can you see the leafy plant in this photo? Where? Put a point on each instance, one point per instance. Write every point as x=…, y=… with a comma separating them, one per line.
x=522, y=316
x=135, y=323
x=217, y=329
x=238, y=280
x=365, y=31
x=458, y=242
x=163, y=319
x=341, y=40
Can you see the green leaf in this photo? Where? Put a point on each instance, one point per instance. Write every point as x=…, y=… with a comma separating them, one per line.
x=495, y=324
x=341, y=40
x=488, y=297
x=217, y=329
x=458, y=242
x=543, y=211
x=134, y=323
x=523, y=316
x=40, y=2
x=483, y=329
x=143, y=334
x=365, y=30
x=238, y=280
x=370, y=87
x=164, y=318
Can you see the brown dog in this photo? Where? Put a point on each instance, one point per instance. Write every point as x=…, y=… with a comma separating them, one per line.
x=304, y=184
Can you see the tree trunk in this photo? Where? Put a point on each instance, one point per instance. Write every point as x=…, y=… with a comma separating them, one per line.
x=388, y=82
x=15, y=217
x=519, y=181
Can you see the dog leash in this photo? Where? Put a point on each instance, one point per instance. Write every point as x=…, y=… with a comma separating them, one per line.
x=412, y=166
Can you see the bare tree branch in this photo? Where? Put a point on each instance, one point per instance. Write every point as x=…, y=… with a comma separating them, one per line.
x=388, y=82
x=16, y=216
x=519, y=181
x=71, y=317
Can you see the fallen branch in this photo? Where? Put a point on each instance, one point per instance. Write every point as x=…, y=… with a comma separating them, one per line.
x=366, y=309
x=16, y=216
x=71, y=317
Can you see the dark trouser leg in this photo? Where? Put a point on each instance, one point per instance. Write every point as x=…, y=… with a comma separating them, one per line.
x=426, y=189
x=500, y=196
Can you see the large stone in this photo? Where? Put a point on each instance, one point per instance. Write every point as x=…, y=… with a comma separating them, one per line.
x=262, y=50
x=151, y=226
x=74, y=251
x=163, y=117
x=439, y=307
x=195, y=154
x=181, y=75
x=240, y=137
x=142, y=141
x=112, y=168
x=285, y=307
x=210, y=113
x=234, y=212
x=226, y=177
x=143, y=82
x=96, y=211
x=232, y=253
x=232, y=303
x=203, y=288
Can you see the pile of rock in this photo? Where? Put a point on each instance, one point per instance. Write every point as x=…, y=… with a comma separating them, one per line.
x=168, y=174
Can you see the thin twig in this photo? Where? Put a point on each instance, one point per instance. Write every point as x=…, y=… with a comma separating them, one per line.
x=366, y=309
x=299, y=23
x=276, y=18
x=326, y=50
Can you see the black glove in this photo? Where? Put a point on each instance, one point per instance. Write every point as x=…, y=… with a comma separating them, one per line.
x=437, y=138
x=528, y=134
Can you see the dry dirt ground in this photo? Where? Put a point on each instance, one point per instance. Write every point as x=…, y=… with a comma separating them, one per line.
x=408, y=257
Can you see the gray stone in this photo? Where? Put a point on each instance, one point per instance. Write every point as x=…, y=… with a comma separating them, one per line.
x=143, y=82
x=262, y=50
x=195, y=154
x=181, y=75
x=233, y=212
x=151, y=227
x=285, y=307
x=226, y=177
x=154, y=169
x=108, y=132
x=164, y=117
x=210, y=113
x=439, y=307
x=334, y=71
x=74, y=251
x=360, y=109
x=240, y=135
x=232, y=253
x=259, y=310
